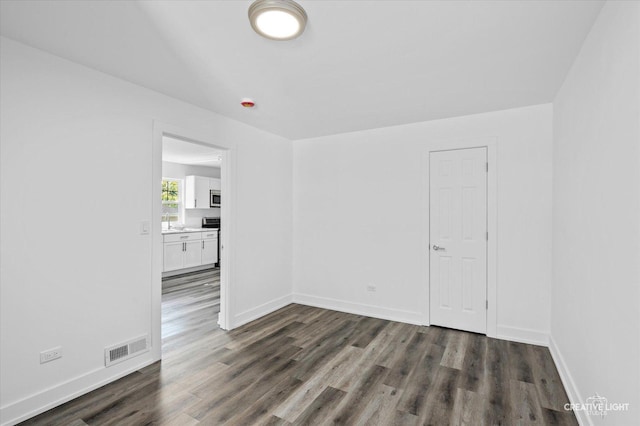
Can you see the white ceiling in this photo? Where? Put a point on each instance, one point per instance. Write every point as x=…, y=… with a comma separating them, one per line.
x=359, y=64
x=181, y=152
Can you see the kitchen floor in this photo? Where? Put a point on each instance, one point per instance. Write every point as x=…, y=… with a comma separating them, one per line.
x=188, y=300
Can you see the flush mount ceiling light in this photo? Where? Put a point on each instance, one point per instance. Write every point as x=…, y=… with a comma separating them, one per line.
x=277, y=19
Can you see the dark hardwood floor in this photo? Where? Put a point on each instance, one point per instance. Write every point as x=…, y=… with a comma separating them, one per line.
x=306, y=366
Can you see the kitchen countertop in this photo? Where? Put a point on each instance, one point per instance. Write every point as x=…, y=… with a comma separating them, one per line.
x=187, y=230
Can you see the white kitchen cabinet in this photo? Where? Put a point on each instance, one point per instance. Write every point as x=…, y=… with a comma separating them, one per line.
x=209, y=247
x=182, y=251
x=173, y=255
x=197, y=189
x=189, y=249
x=192, y=254
x=197, y=192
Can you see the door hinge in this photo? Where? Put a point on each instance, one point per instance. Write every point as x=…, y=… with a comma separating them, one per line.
x=487, y=235
x=487, y=304
x=487, y=166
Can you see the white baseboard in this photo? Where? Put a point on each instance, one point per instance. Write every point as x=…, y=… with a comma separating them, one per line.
x=416, y=318
x=40, y=402
x=568, y=383
x=260, y=311
x=523, y=335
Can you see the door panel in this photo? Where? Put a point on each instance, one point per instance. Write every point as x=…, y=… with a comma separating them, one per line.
x=209, y=251
x=468, y=284
x=202, y=192
x=173, y=255
x=444, y=266
x=458, y=246
x=192, y=253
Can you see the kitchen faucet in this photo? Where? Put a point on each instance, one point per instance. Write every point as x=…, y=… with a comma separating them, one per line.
x=168, y=220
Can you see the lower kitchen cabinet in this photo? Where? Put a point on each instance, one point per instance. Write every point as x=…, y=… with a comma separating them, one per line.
x=173, y=254
x=209, y=250
x=192, y=254
x=186, y=250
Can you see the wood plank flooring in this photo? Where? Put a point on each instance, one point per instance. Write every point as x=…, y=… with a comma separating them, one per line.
x=307, y=366
x=207, y=277
x=189, y=301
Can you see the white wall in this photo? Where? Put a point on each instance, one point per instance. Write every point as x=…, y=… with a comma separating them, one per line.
x=595, y=316
x=359, y=217
x=176, y=170
x=192, y=217
x=75, y=270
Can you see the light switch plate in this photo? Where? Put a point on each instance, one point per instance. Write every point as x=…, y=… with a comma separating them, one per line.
x=144, y=227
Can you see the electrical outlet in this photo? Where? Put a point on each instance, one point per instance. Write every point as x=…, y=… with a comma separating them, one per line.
x=50, y=355
x=371, y=287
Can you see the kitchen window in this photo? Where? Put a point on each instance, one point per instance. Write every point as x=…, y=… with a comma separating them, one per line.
x=171, y=201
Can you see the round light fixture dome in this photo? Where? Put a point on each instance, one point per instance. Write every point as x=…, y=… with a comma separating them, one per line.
x=277, y=19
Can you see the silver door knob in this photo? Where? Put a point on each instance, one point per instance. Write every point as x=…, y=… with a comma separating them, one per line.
x=436, y=248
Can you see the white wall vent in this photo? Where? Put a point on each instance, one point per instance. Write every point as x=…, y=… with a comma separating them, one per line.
x=123, y=351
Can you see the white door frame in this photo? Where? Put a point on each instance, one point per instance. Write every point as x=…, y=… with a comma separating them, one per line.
x=491, y=143
x=228, y=170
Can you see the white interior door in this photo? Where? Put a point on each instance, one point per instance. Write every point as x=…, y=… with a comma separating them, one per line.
x=458, y=239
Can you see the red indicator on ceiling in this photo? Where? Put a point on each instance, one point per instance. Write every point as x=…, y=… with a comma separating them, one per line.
x=247, y=103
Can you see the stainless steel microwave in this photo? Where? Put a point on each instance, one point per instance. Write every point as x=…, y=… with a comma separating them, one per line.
x=214, y=198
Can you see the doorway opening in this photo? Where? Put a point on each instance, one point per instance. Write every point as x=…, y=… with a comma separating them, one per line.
x=191, y=209
x=191, y=189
